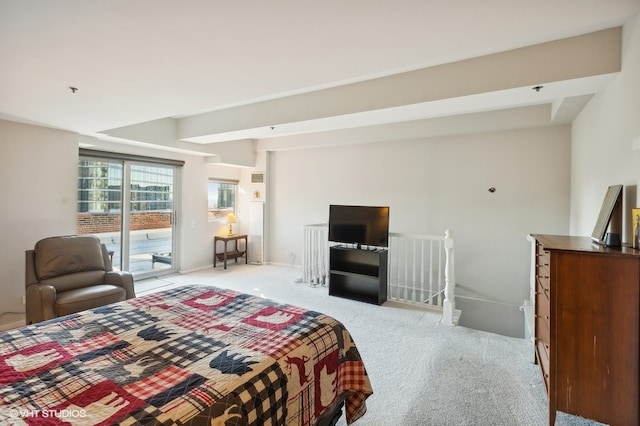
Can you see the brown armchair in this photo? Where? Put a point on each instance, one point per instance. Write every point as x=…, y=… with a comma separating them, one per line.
x=69, y=274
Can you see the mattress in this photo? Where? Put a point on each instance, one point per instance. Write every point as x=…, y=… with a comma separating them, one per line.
x=185, y=356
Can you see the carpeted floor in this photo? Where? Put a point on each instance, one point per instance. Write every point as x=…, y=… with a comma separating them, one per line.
x=422, y=372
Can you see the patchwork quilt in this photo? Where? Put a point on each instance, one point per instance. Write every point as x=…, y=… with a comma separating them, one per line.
x=186, y=356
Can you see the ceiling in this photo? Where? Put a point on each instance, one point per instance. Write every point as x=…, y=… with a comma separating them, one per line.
x=204, y=72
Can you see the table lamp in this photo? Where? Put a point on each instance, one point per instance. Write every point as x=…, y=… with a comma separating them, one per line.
x=231, y=219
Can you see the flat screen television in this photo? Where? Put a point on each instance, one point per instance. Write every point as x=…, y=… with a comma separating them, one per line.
x=359, y=225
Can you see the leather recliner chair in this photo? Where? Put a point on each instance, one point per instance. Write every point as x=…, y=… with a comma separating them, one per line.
x=69, y=274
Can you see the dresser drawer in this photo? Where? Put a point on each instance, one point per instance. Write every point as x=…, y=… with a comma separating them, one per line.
x=542, y=297
x=542, y=255
x=543, y=328
x=543, y=259
x=543, y=285
x=542, y=353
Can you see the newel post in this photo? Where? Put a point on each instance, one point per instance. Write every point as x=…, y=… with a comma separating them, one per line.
x=449, y=313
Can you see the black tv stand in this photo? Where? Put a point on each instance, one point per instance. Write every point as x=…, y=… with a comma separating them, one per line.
x=358, y=274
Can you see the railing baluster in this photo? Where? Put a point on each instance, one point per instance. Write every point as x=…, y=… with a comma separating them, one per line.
x=396, y=283
x=416, y=274
x=431, y=294
x=420, y=276
x=441, y=276
x=423, y=291
x=449, y=312
x=315, y=265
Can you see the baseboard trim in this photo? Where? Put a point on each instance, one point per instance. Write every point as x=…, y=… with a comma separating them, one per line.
x=12, y=325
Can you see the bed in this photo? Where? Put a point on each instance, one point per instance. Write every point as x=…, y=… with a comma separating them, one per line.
x=190, y=355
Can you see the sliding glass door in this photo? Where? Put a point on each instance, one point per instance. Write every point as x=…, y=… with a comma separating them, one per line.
x=150, y=217
x=137, y=225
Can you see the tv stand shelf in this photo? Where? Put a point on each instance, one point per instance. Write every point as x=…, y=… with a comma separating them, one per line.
x=358, y=274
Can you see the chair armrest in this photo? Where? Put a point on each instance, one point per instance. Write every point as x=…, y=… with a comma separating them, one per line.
x=30, y=275
x=40, y=300
x=122, y=279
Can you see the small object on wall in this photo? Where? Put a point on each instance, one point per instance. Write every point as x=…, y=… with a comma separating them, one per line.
x=257, y=177
x=492, y=190
x=256, y=194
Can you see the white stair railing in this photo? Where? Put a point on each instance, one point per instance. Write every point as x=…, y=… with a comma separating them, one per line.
x=421, y=269
x=422, y=273
x=315, y=254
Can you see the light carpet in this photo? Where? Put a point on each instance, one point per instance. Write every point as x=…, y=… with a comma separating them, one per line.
x=422, y=372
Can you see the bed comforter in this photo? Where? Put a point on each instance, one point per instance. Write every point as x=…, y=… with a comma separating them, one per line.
x=191, y=355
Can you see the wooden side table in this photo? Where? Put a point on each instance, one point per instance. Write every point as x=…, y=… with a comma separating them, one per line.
x=233, y=253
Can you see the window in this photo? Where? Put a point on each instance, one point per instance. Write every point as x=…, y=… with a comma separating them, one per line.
x=129, y=203
x=222, y=198
x=99, y=186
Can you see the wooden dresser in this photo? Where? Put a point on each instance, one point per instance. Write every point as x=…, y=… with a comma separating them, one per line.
x=587, y=301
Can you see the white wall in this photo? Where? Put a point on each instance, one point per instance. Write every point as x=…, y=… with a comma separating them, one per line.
x=38, y=185
x=602, y=152
x=435, y=184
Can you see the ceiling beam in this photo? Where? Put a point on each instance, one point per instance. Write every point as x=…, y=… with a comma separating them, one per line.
x=578, y=57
